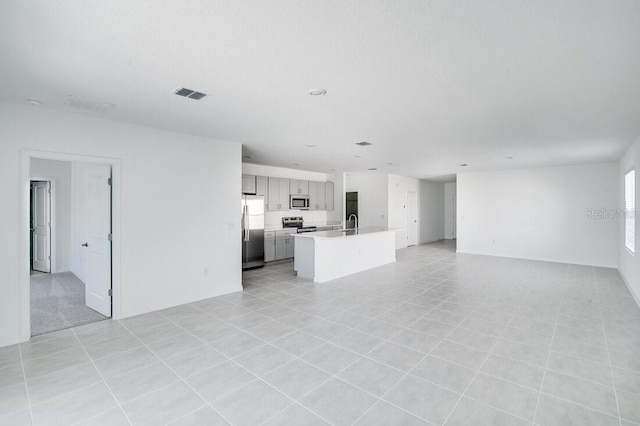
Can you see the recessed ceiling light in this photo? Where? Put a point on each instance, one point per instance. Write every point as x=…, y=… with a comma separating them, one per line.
x=333, y=170
x=364, y=143
x=247, y=156
x=358, y=156
x=463, y=165
x=317, y=92
x=389, y=164
x=509, y=158
x=34, y=102
x=373, y=168
x=310, y=145
x=295, y=164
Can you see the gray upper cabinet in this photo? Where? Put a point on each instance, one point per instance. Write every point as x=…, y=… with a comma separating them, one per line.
x=297, y=186
x=278, y=198
x=317, y=195
x=262, y=188
x=329, y=196
x=248, y=184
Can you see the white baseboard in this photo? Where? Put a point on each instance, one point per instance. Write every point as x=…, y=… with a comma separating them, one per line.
x=633, y=294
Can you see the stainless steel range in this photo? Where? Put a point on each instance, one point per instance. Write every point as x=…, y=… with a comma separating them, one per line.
x=297, y=222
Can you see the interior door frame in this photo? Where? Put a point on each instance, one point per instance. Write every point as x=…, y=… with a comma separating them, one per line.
x=52, y=218
x=416, y=233
x=25, y=203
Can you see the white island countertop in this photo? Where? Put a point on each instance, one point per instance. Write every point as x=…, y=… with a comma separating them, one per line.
x=344, y=233
x=326, y=255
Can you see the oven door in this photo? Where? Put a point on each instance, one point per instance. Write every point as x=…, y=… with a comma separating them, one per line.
x=299, y=202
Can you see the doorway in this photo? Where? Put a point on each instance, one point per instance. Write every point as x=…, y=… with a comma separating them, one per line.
x=412, y=218
x=454, y=217
x=75, y=287
x=40, y=226
x=351, y=207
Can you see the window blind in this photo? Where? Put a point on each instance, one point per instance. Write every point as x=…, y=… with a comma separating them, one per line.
x=630, y=211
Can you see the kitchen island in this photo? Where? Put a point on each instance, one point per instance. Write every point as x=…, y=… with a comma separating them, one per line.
x=327, y=255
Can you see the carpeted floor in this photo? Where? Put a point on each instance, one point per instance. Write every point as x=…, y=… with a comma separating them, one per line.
x=57, y=302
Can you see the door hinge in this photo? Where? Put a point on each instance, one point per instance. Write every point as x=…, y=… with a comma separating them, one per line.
x=109, y=293
x=109, y=237
x=109, y=181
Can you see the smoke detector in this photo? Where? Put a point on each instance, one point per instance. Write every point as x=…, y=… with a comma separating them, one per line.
x=189, y=93
x=317, y=92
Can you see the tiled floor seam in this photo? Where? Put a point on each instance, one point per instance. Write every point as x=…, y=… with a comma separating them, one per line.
x=205, y=402
x=613, y=376
x=544, y=373
x=102, y=377
x=26, y=388
x=259, y=378
x=462, y=395
x=299, y=358
x=406, y=373
x=336, y=375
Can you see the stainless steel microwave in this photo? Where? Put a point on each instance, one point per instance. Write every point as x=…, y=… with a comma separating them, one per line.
x=299, y=202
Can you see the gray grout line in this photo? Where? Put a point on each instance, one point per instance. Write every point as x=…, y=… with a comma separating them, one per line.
x=546, y=366
x=26, y=386
x=101, y=376
x=239, y=365
x=431, y=291
x=489, y=353
x=174, y=372
x=613, y=377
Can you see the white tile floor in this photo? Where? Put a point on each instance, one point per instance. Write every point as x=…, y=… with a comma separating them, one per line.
x=437, y=338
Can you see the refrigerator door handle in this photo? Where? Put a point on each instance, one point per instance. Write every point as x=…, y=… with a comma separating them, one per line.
x=246, y=223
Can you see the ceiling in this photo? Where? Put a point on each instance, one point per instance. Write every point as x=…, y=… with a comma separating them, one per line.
x=431, y=84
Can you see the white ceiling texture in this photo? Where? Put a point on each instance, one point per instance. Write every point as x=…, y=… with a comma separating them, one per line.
x=431, y=84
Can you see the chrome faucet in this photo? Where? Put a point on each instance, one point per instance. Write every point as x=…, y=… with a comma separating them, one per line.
x=356, y=221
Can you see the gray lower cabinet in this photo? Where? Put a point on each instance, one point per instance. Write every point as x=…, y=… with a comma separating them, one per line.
x=278, y=245
x=269, y=246
x=288, y=247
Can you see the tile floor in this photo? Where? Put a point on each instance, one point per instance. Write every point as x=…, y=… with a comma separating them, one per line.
x=58, y=302
x=436, y=338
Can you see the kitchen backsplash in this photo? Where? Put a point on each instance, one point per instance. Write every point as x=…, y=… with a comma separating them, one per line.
x=274, y=219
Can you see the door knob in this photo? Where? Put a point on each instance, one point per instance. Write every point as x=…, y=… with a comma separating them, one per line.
x=85, y=245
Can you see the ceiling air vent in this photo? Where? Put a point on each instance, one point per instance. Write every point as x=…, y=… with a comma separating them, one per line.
x=365, y=143
x=79, y=103
x=188, y=93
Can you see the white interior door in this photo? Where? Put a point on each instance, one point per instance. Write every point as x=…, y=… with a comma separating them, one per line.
x=41, y=224
x=412, y=218
x=98, y=244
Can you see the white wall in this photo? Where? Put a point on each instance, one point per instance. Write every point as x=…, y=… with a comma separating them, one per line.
x=449, y=210
x=540, y=213
x=628, y=263
x=373, y=197
x=432, y=210
x=179, y=217
x=60, y=171
x=273, y=219
x=397, y=208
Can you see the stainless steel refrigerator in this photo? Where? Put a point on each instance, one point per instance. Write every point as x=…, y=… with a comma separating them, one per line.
x=252, y=231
